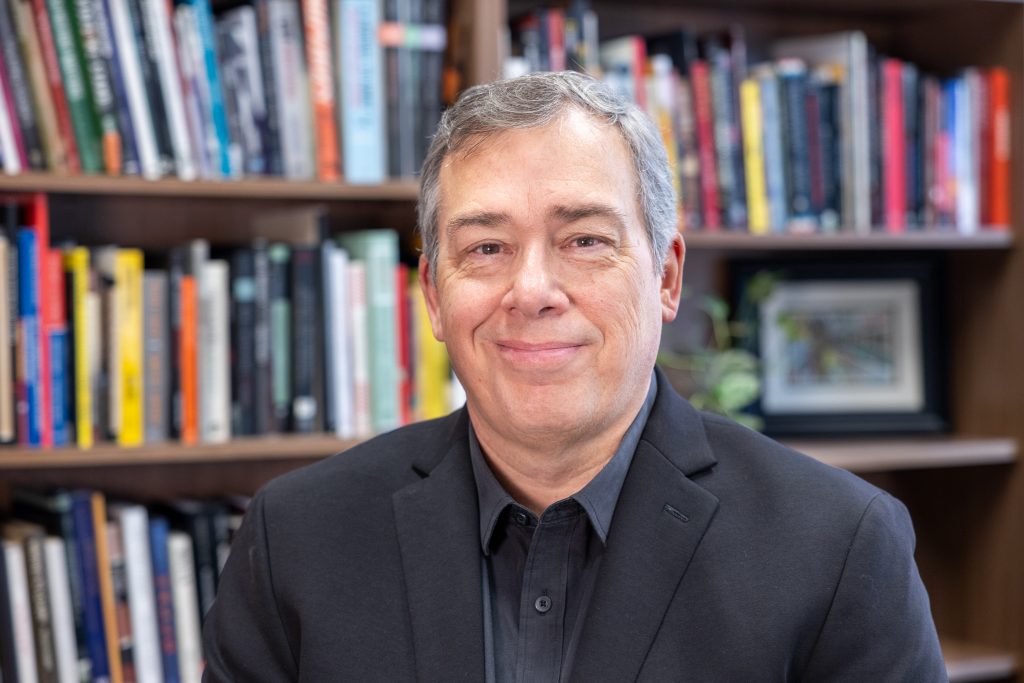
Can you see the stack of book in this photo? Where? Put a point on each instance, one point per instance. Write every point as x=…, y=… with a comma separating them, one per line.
x=201, y=345
x=327, y=89
x=100, y=590
x=820, y=134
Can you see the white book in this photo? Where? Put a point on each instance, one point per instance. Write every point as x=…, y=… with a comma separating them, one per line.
x=138, y=103
x=21, y=612
x=967, y=216
x=849, y=50
x=288, y=61
x=198, y=255
x=8, y=147
x=156, y=15
x=360, y=336
x=61, y=613
x=341, y=349
x=216, y=415
x=7, y=418
x=94, y=348
x=181, y=559
x=141, y=595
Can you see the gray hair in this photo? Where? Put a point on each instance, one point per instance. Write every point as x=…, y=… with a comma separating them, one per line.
x=534, y=101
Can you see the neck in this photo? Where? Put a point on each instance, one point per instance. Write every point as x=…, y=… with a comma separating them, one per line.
x=540, y=471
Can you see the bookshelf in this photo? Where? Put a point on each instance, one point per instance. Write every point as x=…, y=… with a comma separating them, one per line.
x=965, y=491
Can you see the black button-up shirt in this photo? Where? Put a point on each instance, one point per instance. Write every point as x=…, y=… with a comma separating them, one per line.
x=539, y=573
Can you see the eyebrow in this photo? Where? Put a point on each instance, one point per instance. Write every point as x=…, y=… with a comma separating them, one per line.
x=564, y=213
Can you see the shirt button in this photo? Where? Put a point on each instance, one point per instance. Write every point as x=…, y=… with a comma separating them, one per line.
x=521, y=518
x=542, y=604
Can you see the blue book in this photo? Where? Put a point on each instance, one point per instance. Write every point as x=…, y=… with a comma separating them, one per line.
x=774, y=160
x=89, y=580
x=159, y=530
x=28, y=320
x=363, y=135
x=59, y=375
x=204, y=20
x=111, y=53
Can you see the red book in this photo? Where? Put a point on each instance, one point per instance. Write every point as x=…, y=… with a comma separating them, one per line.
x=321, y=85
x=51, y=66
x=706, y=144
x=998, y=144
x=404, y=343
x=188, y=361
x=894, y=147
x=555, y=21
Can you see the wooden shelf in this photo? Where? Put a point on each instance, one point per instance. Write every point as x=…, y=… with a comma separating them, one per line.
x=253, y=449
x=884, y=455
x=986, y=238
x=249, y=188
x=966, y=662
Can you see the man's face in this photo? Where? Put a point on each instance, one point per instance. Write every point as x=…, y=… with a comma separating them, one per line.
x=546, y=293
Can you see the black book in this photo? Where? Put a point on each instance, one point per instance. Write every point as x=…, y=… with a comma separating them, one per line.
x=243, y=352
x=307, y=346
x=206, y=522
x=279, y=287
x=272, y=127
x=150, y=70
x=262, y=379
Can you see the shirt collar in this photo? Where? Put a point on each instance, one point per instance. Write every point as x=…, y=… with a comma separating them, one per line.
x=597, y=498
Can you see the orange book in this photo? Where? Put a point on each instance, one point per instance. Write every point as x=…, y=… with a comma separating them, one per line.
x=99, y=523
x=321, y=84
x=998, y=152
x=188, y=363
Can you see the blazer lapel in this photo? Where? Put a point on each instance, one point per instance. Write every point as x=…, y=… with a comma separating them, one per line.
x=660, y=519
x=438, y=531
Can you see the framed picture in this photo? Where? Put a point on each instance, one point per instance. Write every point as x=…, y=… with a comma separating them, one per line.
x=846, y=347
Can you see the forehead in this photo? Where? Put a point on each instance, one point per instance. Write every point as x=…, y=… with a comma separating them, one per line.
x=576, y=156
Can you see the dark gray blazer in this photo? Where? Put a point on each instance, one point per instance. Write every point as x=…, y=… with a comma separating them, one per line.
x=730, y=558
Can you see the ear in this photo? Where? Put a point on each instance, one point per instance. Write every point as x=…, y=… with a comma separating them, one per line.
x=672, y=278
x=429, y=290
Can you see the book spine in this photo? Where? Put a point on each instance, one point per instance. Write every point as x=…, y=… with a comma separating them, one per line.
x=21, y=611
x=894, y=167
x=712, y=217
x=30, y=335
x=89, y=580
x=243, y=358
x=189, y=360
x=21, y=91
x=115, y=60
x=55, y=157
x=128, y=297
x=402, y=326
x=42, y=615
x=796, y=145
x=431, y=365
x=306, y=397
x=340, y=368
x=130, y=56
x=360, y=69
x=327, y=329
x=181, y=565
x=998, y=142
x=360, y=350
x=815, y=164
x=157, y=368
x=321, y=84
x=134, y=521
x=262, y=372
x=59, y=585
x=98, y=503
x=193, y=80
x=125, y=654
x=63, y=27
x=89, y=39
x=159, y=532
x=290, y=78
x=433, y=41
x=12, y=152
x=8, y=433
x=204, y=23
x=216, y=413
x=146, y=44
x=271, y=132
x=175, y=272
x=55, y=331
x=156, y=14
x=966, y=179
x=911, y=128
x=280, y=333
x=830, y=131
x=753, y=137
x=729, y=198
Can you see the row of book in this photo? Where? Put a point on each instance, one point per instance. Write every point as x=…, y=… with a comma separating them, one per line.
x=301, y=89
x=202, y=345
x=819, y=134
x=109, y=591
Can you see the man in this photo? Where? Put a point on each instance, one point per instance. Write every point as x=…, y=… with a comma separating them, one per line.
x=577, y=520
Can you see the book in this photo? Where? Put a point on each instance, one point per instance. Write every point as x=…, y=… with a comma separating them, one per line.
x=157, y=19
x=307, y=338
x=88, y=35
x=207, y=46
x=17, y=589
x=894, y=169
x=431, y=362
x=114, y=57
x=76, y=265
x=105, y=579
x=243, y=340
x=12, y=152
x=360, y=70
x=753, y=146
x=146, y=653
x=317, y=25
x=31, y=373
x=159, y=532
x=30, y=537
x=215, y=418
x=62, y=609
x=792, y=75
x=290, y=88
x=157, y=358
x=244, y=94
x=8, y=433
x=184, y=592
x=87, y=567
x=701, y=81
x=55, y=332
x=19, y=89
x=998, y=143
x=378, y=250
x=122, y=612
x=361, y=402
x=279, y=255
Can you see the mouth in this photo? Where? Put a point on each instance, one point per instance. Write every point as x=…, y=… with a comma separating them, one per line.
x=543, y=355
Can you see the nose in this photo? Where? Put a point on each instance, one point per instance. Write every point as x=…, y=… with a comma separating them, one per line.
x=535, y=288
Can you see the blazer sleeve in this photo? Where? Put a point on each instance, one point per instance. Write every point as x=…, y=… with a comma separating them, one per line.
x=244, y=638
x=879, y=626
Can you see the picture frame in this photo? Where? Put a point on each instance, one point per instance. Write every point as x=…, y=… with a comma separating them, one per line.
x=848, y=347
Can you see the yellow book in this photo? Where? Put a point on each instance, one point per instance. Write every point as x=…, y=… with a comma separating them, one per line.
x=76, y=265
x=431, y=363
x=128, y=272
x=753, y=156
x=99, y=526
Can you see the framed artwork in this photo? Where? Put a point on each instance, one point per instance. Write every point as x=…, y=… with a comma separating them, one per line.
x=847, y=347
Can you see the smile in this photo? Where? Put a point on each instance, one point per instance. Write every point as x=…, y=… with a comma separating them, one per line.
x=547, y=355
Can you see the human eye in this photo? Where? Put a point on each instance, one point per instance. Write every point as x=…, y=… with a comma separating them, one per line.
x=486, y=249
x=587, y=242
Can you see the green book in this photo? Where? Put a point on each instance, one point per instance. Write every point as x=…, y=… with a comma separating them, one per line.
x=70, y=55
x=378, y=250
